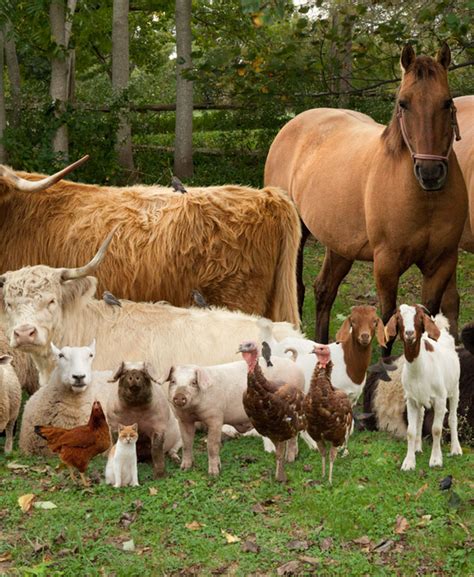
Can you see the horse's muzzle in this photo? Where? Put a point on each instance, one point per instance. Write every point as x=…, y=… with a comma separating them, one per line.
x=431, y=174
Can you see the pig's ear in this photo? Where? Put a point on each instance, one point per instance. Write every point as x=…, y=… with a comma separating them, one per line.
x=202, y=378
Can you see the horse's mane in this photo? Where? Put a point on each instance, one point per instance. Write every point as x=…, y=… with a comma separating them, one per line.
x=423, y=68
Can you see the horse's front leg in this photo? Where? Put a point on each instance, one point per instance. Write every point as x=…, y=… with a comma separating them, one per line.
x=300, y=266
x=334, y=269
x=386, y=273
x=450, y=305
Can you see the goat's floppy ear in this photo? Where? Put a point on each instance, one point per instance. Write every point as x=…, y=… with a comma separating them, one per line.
x=345, y=330
x=150, y=372
x=430, y=327
x=118, y=373
x=380, y=333
x=391, y=328
x=202, y=378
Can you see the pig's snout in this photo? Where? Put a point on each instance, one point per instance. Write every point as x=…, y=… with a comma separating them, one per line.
x=180, y=400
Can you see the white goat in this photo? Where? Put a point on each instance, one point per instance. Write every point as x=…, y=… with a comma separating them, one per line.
x=430, y=375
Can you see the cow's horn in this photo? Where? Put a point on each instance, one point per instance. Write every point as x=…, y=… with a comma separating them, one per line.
x=37, y=185
x=71, y=273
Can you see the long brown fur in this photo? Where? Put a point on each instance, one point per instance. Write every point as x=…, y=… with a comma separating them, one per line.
x=229, y=241
x=389, y=218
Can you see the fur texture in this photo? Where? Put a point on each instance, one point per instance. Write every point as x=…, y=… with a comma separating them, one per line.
x=227, y=241
x=10, y=400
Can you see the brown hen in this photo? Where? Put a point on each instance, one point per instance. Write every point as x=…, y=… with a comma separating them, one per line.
x=276, y=411
x=328, y=410
x=77, y=446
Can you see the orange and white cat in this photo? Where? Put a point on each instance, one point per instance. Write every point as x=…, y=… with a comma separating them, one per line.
x=121, y=469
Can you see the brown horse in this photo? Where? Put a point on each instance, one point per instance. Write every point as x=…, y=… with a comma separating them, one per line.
x=394, y=194
x=465, y=152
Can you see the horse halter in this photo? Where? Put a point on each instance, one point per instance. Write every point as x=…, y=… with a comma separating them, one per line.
x=415, y=156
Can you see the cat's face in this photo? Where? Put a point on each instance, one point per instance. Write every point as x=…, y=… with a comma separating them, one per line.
x=128, y=433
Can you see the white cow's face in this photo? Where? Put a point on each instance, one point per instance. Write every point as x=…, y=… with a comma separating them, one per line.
x=74, y=365
x=34, y=300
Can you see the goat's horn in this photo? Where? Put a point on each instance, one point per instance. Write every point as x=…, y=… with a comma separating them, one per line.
x=72, y=273
x=38, y=185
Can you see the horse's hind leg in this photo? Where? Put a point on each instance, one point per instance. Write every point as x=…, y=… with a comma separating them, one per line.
x=334, y=269
x=299, y=267
x=450, y=305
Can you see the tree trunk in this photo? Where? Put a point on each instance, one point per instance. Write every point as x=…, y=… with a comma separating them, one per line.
x=341, y=51
x=13, y=73
x=120, y=78
x=3, y=123
x=59, y=67
x=183, y=157
x=71, y=59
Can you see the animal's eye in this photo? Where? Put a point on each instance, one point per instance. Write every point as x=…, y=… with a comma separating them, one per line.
x=61, y=356
x=403, y=104
x=448, y=103
x=91, y=356
x=194, y=383
x=52, y=302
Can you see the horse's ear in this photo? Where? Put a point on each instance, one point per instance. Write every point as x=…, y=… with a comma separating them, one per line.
x=407, y=58
x=345, y=330
x=430, y=327
x=391, y=328
x=444, y=56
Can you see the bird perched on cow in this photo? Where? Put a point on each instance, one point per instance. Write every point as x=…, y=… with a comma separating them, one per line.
x=78, y=446
x=276, y=411
x=110, y=299
x=328, y=410
x=267, y=353
x=199, y=300
x=177, y=185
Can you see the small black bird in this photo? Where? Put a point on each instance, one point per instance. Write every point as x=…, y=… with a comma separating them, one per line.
x=446, y=483
x=177, y=185
x=110, y=299
x=267, y=353
x=199, y=300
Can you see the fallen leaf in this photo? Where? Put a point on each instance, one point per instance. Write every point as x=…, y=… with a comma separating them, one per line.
x=5, y=557
x=153, y=491
x=127, y=519
x=401, y=525
x=420, y=491
x=138, y=504
x=310, y=560
x=250, y=547
x=194, y=526
x=258, y=508
x=384, y=546
x=128, y=545
x=16, y=466
x=143, y=550
x=307, y=468
x=364, y=540
x=326, y=544
x=297, y=545
x=425, y=519
x=38, y=547
x=44, y=505
x=288, y=568
x=26, y=502
x=229, y=537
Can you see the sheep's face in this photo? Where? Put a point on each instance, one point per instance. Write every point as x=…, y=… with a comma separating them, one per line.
x=186, y=385
x=74, y=365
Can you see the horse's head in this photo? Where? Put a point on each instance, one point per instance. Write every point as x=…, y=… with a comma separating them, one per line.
x=426, y=115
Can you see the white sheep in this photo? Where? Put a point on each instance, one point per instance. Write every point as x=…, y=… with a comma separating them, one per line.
x=66, y=400
x=430, y=376
x=10, y=400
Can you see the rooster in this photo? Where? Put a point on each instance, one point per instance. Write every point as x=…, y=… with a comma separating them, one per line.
x=328, y=410
x=276, y=411
x=77, y=446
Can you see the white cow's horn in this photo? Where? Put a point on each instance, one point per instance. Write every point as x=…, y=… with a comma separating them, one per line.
x=37, y=185
x=71, y=273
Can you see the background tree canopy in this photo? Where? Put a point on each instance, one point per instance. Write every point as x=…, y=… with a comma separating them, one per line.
x=254, y=65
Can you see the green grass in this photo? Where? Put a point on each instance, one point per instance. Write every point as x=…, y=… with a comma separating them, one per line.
x=317, y=527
